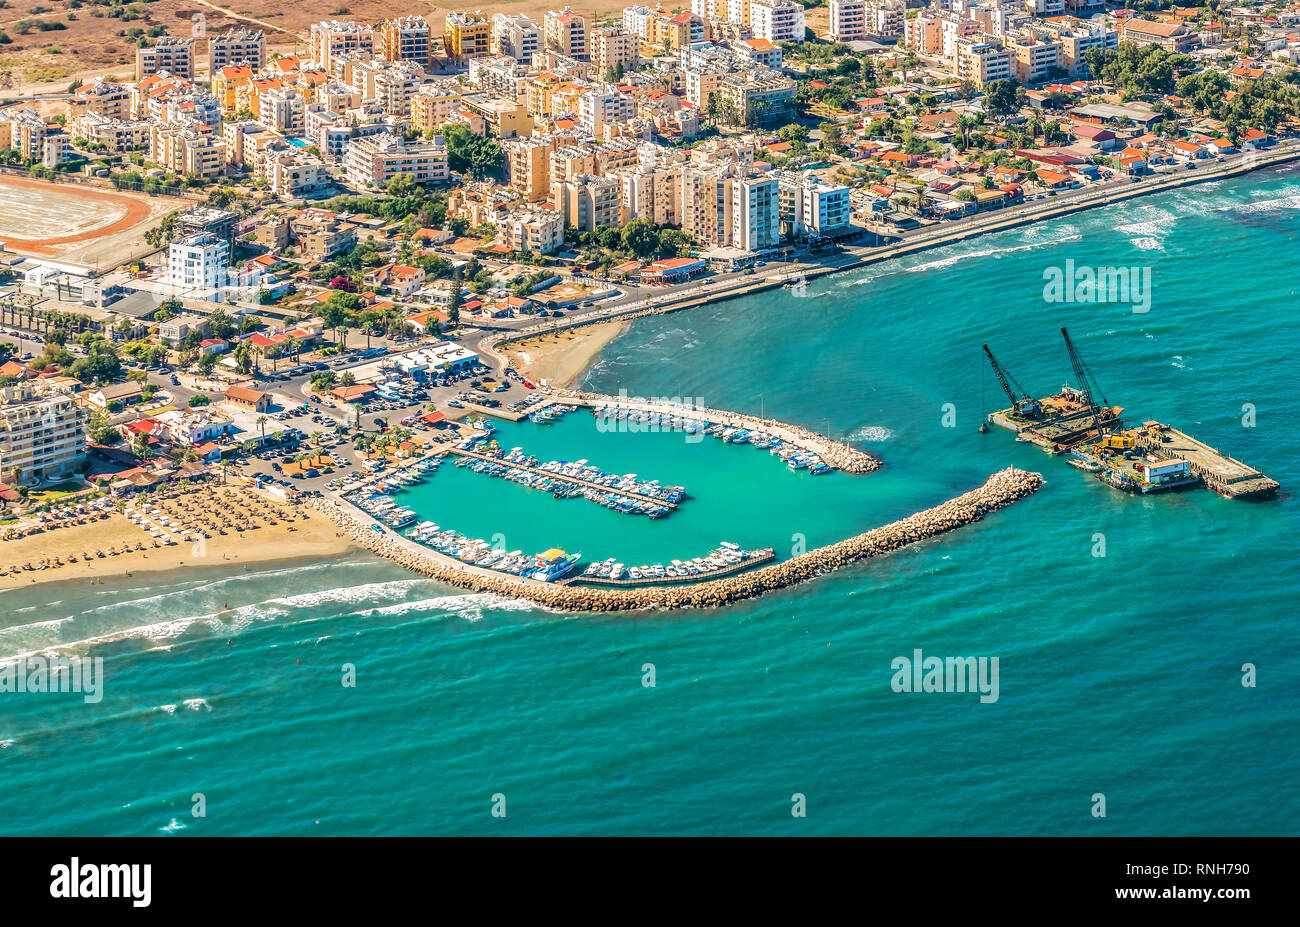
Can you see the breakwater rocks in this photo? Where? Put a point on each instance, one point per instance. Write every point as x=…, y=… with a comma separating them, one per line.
x=836, y=454
x=1000, y=490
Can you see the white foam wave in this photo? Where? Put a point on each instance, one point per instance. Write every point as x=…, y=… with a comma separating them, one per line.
x=947, y=262
x=469, y=606
x=871, y=433
x=194, y=704
x=1147, y=244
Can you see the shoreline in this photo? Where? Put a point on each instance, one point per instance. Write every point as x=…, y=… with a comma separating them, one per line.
x=989, y=223
x=1000, y=490
x=301, y=535
x=562, y=363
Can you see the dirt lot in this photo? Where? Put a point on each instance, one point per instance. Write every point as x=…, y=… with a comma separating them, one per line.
x=76, y=223
x=47, y=61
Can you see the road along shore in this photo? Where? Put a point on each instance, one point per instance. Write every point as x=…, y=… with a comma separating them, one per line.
x=859, y=257
x=1000, y=490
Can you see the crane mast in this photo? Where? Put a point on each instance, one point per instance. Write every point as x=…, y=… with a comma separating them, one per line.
x=1086, y=384
x=1021, y=402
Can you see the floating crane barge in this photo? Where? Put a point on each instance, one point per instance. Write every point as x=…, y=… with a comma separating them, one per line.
x=1153, y=457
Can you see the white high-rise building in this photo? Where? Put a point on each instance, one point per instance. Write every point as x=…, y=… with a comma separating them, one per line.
x=516, y=36
x=777, y=20
x=755, y=213
x=198, y=262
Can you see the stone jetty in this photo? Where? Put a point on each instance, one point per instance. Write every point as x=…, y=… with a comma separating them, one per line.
x=1000, y=490
x=835, y=453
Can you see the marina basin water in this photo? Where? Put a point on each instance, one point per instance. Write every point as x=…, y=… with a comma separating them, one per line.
x=736, y=492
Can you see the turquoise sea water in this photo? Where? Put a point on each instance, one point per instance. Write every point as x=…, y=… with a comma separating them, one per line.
x=1119, y=675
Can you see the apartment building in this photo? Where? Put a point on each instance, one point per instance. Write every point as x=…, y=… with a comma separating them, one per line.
x=528, y=165
x=116, y=135
x=321, y=234
x=755, y=213
x=706, y=205
x=983, y=61
x=614, y=49
x=332, y=38
x=540, y=231
x=652, y=193
x=102, y=98
x=923, y=34
x=467, y=35
x=293, y=175
x=185, y=149
x=405, y=38
x=282, y=110
x=848, y=20
x=565, y=31
x=588, y=203
x=40, y=436
x=825, y=209
x=1035, y=57
x=516, y=36
x=432, y=105
x=1077, y=38
x=374, y=160
x=198, y=263
x=777, y=20
x=236, y=47
x=602, y=106
x=169, y=53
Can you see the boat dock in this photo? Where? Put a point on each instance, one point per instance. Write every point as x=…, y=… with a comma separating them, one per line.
x=553, y=475
x=1222, y=473
x=762, y=556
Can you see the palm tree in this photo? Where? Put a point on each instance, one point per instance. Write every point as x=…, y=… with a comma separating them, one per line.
x=369, y=329
x=342, y=338
x=261, y=424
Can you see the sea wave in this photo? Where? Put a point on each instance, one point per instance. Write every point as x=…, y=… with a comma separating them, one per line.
x=871, y=433
x=944, y=263
x=470, y=607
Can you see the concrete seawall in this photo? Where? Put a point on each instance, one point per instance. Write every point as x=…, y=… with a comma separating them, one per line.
x=1000, y=490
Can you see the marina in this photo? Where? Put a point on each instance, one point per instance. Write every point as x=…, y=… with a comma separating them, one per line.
x=566, y=480
x=726, y=559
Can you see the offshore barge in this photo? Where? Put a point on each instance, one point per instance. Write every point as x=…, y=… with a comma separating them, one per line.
x=1152, y=457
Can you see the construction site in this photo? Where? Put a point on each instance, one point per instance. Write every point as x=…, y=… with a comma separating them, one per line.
x=1152, y=457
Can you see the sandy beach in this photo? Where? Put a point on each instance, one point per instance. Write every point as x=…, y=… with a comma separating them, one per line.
x=298, y=533
x=561, y=358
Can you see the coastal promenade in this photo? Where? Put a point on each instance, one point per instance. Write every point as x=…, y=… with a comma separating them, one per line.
x=1000, y=490
x=854, y=258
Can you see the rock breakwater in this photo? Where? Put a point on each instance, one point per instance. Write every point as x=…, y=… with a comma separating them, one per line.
x=1000, y=490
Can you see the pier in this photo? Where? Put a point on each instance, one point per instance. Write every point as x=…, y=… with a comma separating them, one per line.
x=552, y=475
x=1222, y=473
